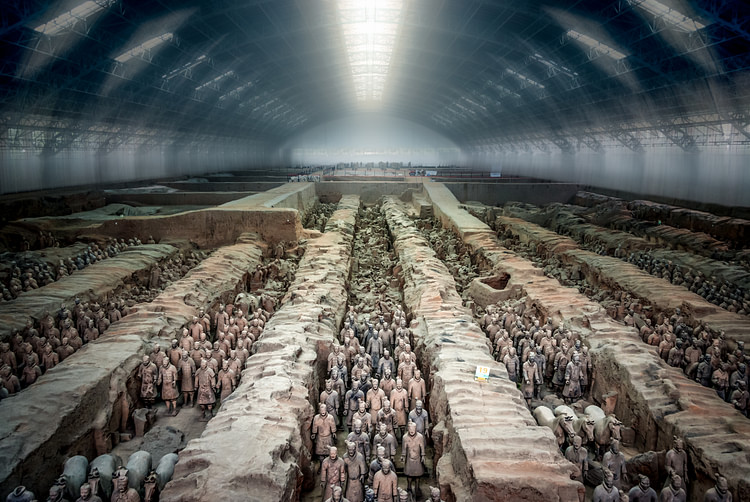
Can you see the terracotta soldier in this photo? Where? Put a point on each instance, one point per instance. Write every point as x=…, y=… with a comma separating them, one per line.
x=417, y=390
x=434, y=495
x=642, y=492
x=573, y=378
x=337, y=495
x=365, y=418
x=377, y=464
x=9, y=381
x=356, y=471
x=331, y=398
x=351, y=402
x=86, y=495
x=720, y=379
x=386, y=440
x=407, y=368
x=148, y=373
x=387, y=417
x=529, y=378
x=31, y=372
x=50, y=359
x=186, y=368
x=196, y=328
x=420, y=417
x=175, y=353
x=704, y=371
x=57, y=491
x=740, y=398
x=332, y=473
x=386, y=364
x=168, y=382
x=614, y=460
x=8, y=357
x=578, y=455
x=225, y=381
x=400, y=402
x=91, y=332
x=154, y=277
x=122, y=493
x=385, y=484
x=676, y=461
x=323, y=432
x=360, y=438
x=512, y=364
x=673, y=492
x=374, y=399
x=205, y=382
x=387, y=383
x=157, y=356
x=412, y=455
x=606, y=492
x=719, y=492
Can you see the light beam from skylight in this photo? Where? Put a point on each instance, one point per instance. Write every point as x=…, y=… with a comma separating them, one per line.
x=68, y=19
x=670, y=15
x=370, y=28
x=141, y=49
x=596, y=45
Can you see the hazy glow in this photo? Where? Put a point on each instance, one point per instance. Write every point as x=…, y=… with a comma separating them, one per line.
x=370, y=28
x=143, y=48
x=670, y=15
x=596, y=45
x=65, y=21
x=525, y=79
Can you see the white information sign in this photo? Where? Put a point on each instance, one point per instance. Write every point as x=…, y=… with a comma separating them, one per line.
x=482, y=374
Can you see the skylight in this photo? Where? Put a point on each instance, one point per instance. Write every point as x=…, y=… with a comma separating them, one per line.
x=215, y=81
x=670, y=15
x=523, y=78
x=596, y=46
x=185, y=69
x=144, y=48
x=553, y=67
x=235, y=93
x=68, y=19
x=370, y=28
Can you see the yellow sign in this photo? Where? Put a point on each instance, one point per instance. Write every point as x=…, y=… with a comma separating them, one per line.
x=482, y=374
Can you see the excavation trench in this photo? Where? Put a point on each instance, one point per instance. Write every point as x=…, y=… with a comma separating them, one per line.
x=658, y=402
x=717, y=275
x=487, y=442
x=257, y=447
x=96, y=282
x=94, y=389
x=374, y=296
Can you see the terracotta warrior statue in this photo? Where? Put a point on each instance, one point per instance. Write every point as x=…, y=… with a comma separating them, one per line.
x=332, y=473
x=719, y=493
x=642, y=492
x=122, y=493
x=412, y=456
x=168, y=382
x=356, y=473
x=606, y=492
x=323, y=433
x=86, y=495
x=205, y=382
x=148, y=373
